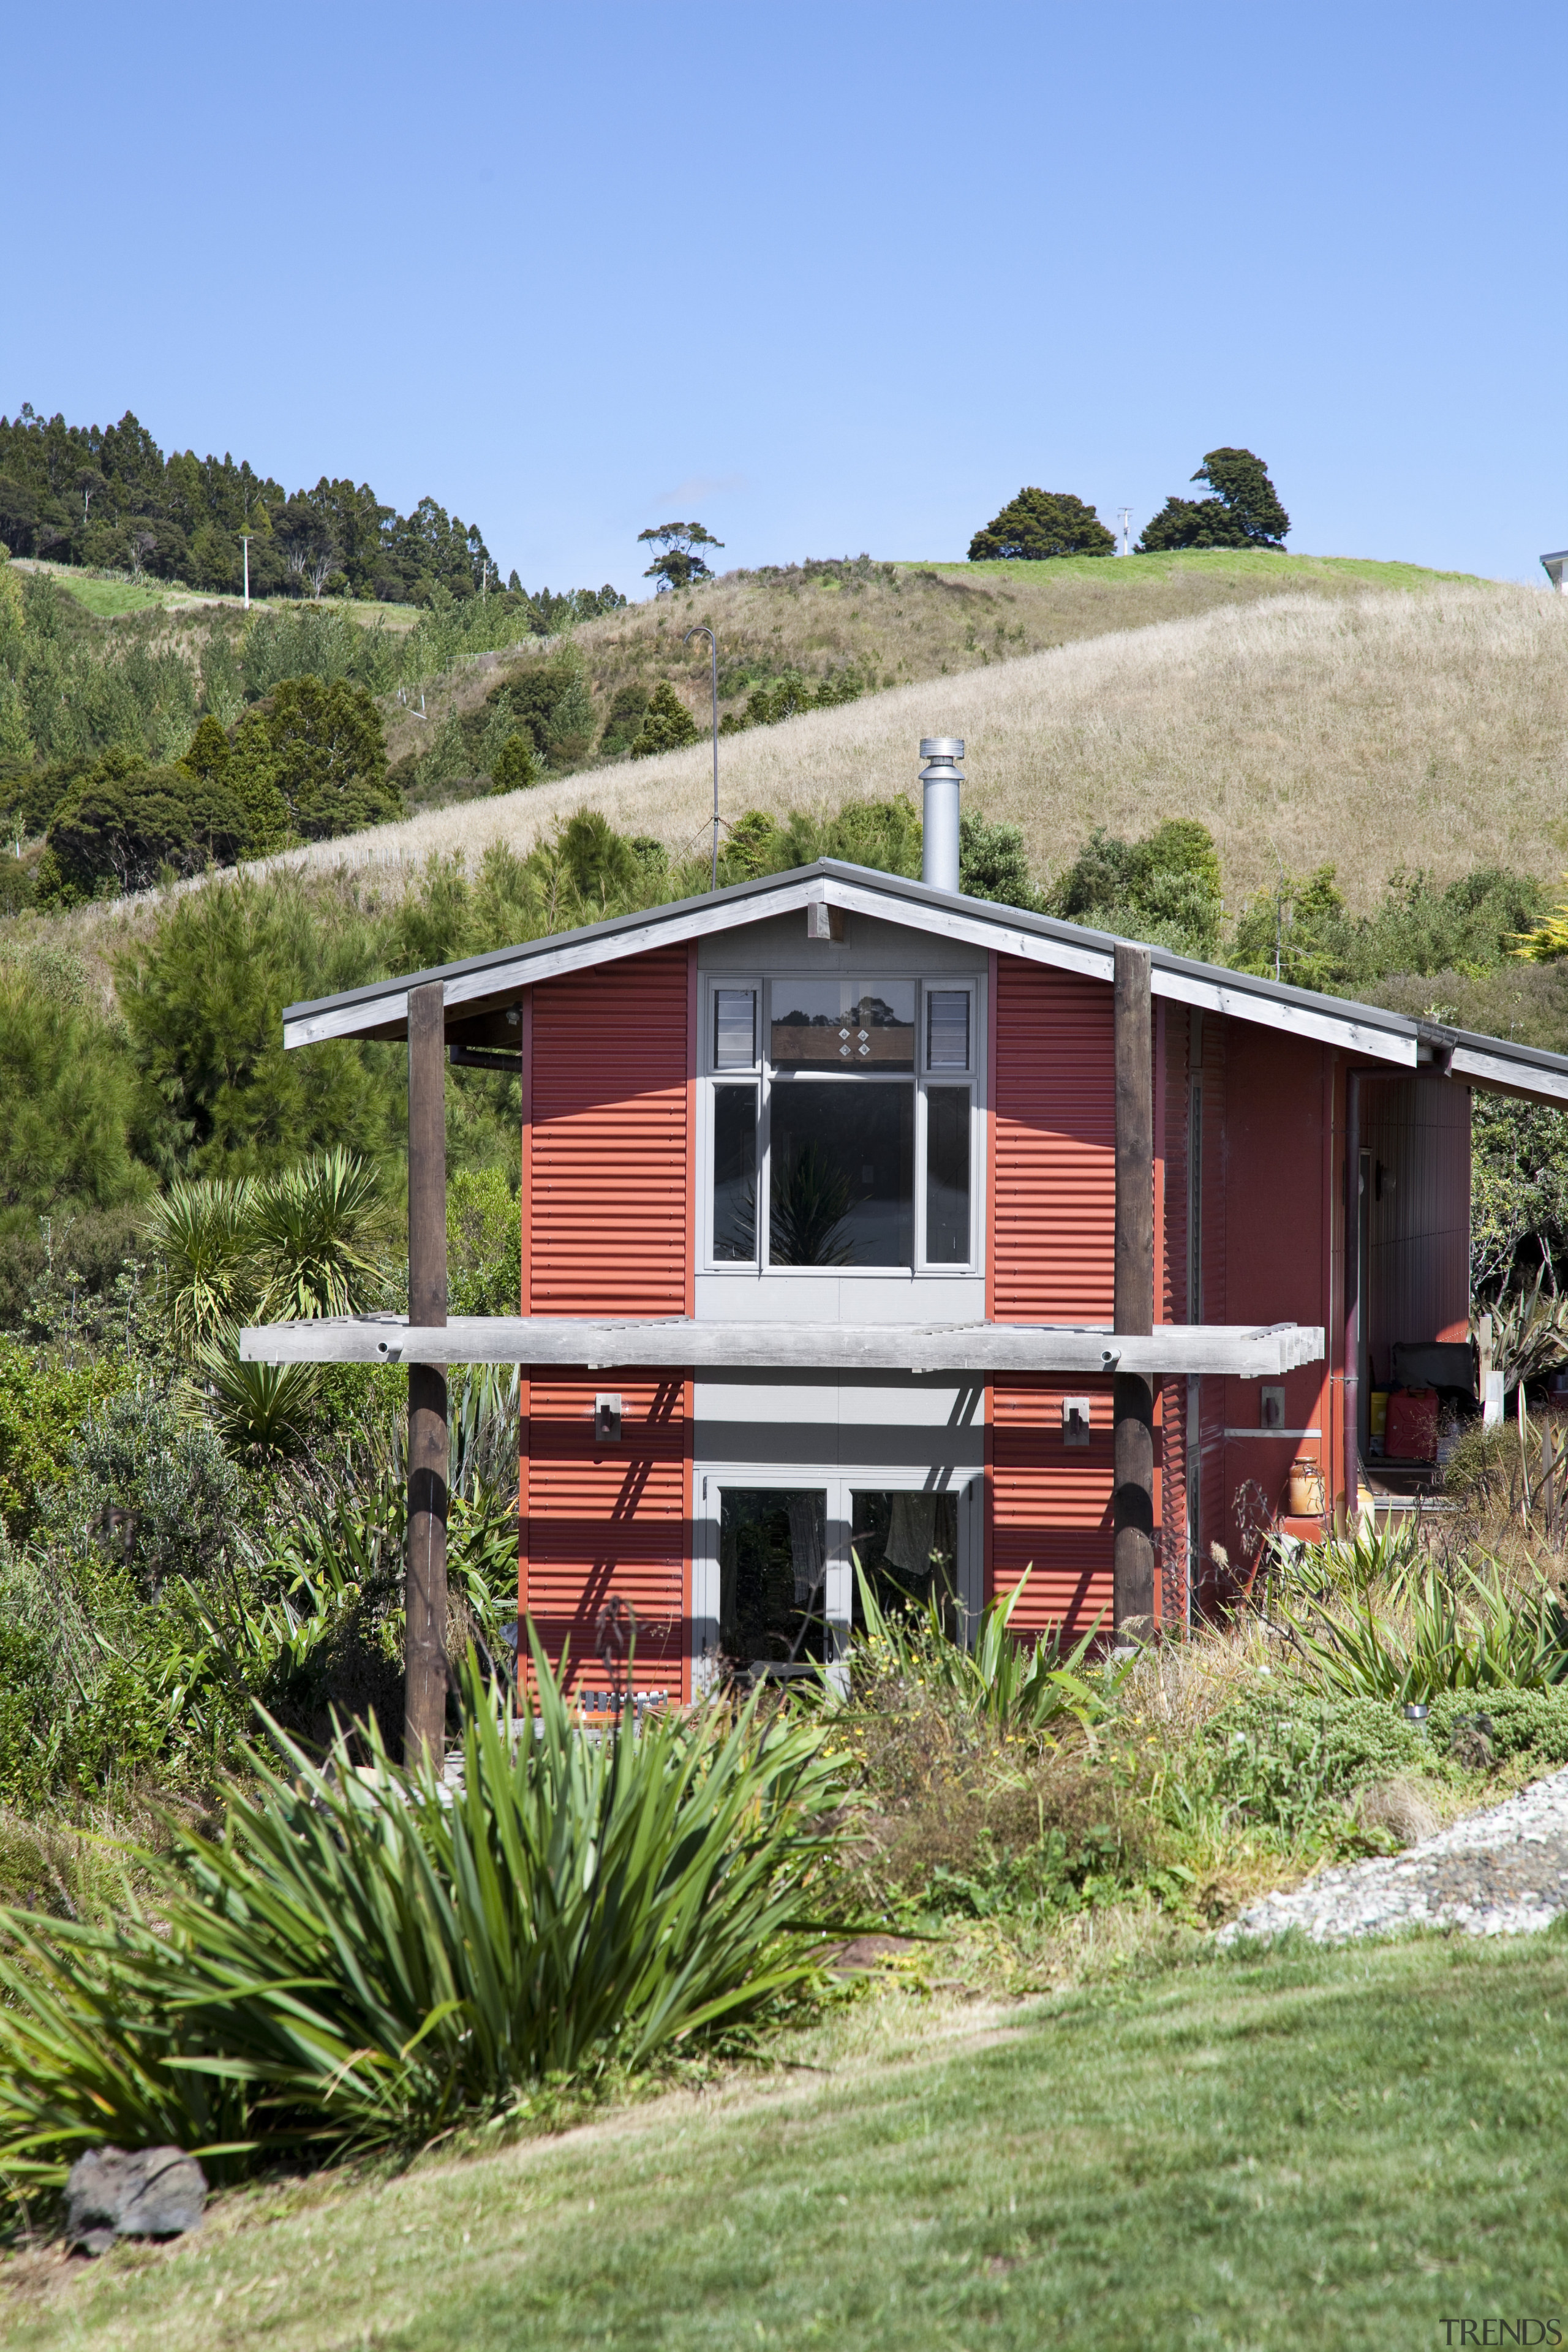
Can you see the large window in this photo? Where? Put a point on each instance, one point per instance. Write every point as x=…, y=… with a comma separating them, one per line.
x=841, y=1121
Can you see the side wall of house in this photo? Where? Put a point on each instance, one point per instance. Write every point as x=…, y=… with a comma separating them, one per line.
x=607, y=1157
x=1053, y=1186
x=1276, y=1184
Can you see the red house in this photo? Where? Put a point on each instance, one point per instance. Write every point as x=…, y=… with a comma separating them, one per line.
x=861, y=1216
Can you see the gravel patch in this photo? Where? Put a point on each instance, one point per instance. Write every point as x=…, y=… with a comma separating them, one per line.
x=1500, y=1873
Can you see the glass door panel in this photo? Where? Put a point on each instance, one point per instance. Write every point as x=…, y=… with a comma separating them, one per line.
x=772, y=1582
x=907, y=1546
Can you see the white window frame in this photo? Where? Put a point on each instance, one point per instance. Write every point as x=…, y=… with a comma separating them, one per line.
x=837, y=1484
x=921, y=1077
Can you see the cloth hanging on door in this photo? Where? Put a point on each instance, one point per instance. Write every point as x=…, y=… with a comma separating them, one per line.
x=912, y=1534
x=807, y=1546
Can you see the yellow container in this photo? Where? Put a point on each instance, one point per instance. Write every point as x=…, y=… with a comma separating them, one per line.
x=1306, y=1497
x=1377, y=1414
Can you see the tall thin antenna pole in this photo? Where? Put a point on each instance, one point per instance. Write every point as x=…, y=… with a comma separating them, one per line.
x=245, y=543
x=1126, y=531
x=701, y=630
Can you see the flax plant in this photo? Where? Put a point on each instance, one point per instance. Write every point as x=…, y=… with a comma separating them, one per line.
x=1013, y=1685
x=1471, y=1631
x=368, y=1957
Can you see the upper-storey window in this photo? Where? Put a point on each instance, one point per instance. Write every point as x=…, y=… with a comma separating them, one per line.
x=840, y=1123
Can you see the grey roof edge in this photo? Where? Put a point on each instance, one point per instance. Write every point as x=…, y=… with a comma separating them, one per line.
x=731, y=904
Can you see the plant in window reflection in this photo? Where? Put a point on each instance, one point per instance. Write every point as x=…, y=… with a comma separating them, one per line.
x=737, y=1239
x=810, y=1207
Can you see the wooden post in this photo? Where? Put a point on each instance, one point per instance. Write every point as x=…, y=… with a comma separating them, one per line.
x=1133, y=1311
x=425, y=1591
x=1353, y=1211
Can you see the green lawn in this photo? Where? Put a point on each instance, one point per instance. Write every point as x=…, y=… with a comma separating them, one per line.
x=1248, y=565
x=1328, y=2149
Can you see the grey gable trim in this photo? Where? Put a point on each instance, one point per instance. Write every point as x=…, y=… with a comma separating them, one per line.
x=499, y=978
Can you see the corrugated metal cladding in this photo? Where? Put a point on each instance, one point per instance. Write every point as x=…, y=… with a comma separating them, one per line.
x=599, y=1520
x=607, y=1228
x=1207, y=1096
x=1416, y=1134
x=610, y=1152
x=1172, y=1252
x=1054, y=1140
x=1053, y=1180
x=1051, y=1504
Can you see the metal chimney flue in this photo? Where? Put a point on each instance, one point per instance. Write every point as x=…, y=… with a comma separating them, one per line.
x=939, y=781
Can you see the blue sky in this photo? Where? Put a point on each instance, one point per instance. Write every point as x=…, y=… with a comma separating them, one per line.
x=827, y=276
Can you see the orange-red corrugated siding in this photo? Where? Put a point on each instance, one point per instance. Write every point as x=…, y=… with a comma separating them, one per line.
x=610, y=1114
x=1052, y=1232
x=1051, y=1503
x=609, y=1063
x=610, y=1519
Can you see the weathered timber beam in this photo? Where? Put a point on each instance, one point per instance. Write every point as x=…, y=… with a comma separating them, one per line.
x=986, y=1350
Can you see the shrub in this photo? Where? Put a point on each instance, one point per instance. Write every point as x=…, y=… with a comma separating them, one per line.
x=357, y=1965
x=666, y=724
x=147, y=1487
x=331, y=758
x=125, y=824
x=44, y=1403
x=517, y=765
x=1281, y=1754
x=484, y=1243
x=203, y=997
x=69, y=1092
x=623, y=723
x=1165, y=888
x=1512, y=1722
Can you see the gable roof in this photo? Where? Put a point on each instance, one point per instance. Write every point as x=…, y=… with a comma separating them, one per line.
x=488, y=983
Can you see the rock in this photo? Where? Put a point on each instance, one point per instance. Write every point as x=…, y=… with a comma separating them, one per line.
x=155, y=2192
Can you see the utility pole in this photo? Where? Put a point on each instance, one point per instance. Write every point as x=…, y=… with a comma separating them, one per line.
x=700, y=630
x=1126, y=513
x=244, y=544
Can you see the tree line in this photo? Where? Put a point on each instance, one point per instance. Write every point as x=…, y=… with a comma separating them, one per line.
x=1243, y=512
x=107, y=497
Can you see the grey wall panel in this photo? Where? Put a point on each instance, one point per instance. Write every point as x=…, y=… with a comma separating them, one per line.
x=868, y=946
x=916, y=1425
x=746, y=1297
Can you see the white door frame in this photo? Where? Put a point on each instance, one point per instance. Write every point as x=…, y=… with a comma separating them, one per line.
x=710, y=1480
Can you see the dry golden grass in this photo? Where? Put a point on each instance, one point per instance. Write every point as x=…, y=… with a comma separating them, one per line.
x=1372, y=731
x=896, y=623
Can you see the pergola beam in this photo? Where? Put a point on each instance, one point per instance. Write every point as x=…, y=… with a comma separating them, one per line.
x=954, y=1350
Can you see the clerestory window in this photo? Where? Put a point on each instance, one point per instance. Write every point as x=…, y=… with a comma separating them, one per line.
x=841, y=1125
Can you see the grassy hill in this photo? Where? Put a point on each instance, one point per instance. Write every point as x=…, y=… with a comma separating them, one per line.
x=892, y=624
x=1307, y=712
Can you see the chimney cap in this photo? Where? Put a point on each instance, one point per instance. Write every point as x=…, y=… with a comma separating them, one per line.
x=942, y=747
